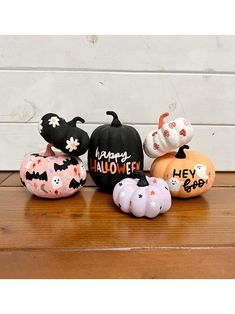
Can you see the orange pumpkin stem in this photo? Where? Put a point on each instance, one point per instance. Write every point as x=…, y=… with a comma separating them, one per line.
x=49, y=152
x=161, y=119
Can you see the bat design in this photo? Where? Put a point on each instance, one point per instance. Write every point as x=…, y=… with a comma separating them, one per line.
x=66, y=163
x=36, y=175
x=75, y=184
x=82, y=182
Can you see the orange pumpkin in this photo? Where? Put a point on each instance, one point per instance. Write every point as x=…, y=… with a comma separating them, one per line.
x=188, y=174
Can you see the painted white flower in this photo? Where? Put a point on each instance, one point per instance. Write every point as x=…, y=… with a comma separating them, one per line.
x=54, y=121
x=72, y=144
x=40, y=126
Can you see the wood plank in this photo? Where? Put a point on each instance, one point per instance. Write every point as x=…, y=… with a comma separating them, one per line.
x=150, y=264
x=4, y=175
x=225, y=179
x=135, y=53
x=89, y=220
x=222, y=179
x=18, y=139
x=204, y=99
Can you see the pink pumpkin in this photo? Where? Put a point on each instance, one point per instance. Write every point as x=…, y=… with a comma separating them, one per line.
x=52, y=174
x=146, y=196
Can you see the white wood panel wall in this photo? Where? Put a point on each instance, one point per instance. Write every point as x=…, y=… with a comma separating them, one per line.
x=137, y=76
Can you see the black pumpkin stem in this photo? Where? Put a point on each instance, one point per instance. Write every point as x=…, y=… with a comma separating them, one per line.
x=116, y=122
x=73, y=122
x=181, y=154
x=140, y=175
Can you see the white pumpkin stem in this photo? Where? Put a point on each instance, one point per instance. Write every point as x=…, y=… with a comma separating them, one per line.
x=161, y=119
x=49, y=152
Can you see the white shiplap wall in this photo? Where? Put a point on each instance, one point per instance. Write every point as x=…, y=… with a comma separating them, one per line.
x=137, y=76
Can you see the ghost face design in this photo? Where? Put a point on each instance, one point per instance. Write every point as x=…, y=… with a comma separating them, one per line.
x=174, y=185
x=56, y=182
x=201, y=171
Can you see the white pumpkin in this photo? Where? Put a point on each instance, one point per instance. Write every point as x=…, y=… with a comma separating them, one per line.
x=168, y=137
x=145, y=196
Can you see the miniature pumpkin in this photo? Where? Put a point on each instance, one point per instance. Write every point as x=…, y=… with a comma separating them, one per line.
x=115, y=151
x=188, y=174
x=63, y=135
x=168, y=137
x=145, y=196
x=52, y=174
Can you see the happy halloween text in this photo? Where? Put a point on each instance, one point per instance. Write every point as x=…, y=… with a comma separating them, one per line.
x=111, y=163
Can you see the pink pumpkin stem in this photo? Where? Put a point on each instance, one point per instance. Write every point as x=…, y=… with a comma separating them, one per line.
x=161, y=119
x=49, y=151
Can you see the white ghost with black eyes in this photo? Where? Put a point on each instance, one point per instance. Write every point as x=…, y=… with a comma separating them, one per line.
x=201, y=171
x=174, y=185
x=56, y=182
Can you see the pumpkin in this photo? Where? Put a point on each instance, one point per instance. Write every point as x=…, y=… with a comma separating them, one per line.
x=168, y=137
x=52, y=174
x=188, y=174
x=115, y=151
x=63, y=135
x=145, y=196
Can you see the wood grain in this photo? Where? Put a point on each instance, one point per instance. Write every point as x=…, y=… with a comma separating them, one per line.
x=4, y=175
x=25, y=96
x=121, y=53
x=24, y=138
x=86, y=236
x=90, y=220
x=224, y=179
x=140, y=264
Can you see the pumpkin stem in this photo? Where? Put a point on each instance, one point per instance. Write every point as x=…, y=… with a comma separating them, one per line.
x=73, y=122
x=49, y=152
x=140, y=174
x=116, y=122
x=161, y=119
x=181, y=154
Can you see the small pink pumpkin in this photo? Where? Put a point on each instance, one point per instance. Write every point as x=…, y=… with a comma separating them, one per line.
x=52, y=174
x=145, y=196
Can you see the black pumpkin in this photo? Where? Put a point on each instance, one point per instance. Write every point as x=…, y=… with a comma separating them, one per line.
x=114, y=152
x=63, y=135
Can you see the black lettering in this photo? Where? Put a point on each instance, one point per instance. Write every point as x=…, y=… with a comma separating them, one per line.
x=175, y=174
x=185, y=173
x=192, y=172
x=187, y=187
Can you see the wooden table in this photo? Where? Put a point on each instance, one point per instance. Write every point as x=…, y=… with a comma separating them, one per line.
x=86, y=236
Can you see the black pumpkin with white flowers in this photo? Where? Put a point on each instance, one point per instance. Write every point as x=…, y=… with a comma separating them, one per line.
x=63, y=135
x=115, y=151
